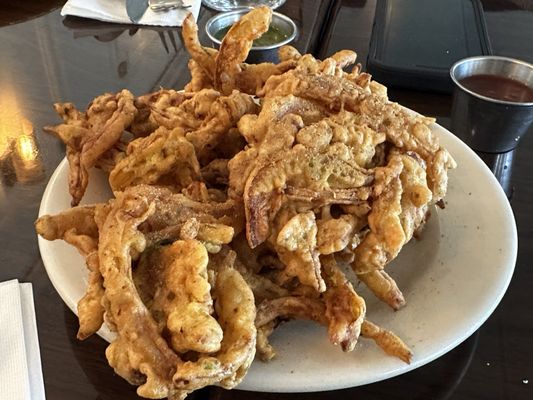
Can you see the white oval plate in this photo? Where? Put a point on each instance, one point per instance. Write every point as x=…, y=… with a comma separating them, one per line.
x=453, y=279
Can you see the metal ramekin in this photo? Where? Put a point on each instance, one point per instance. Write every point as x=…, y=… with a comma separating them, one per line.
x=487, y=124
x=490, y=126
x=259, y=53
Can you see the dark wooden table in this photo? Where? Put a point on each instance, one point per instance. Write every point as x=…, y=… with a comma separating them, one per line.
x=45, y=58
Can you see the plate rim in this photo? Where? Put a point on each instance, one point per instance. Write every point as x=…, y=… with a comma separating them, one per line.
x=507, y=274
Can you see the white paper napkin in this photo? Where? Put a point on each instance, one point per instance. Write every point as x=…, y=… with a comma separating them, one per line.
x=21, y=375
x=115, y=11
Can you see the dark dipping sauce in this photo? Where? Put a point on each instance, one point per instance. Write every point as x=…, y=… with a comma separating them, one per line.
x=274, y=35
x=498, y=88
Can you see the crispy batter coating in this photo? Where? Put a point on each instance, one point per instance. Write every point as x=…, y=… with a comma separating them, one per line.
x=215, y=234
x=239, y=169
x=344, y=58
x=234, y=303
x=274, y=109
x=174, y=210
x=247, y=78
x=139, y=354
x=269, y=311
x=186, y=301
x=334, y=174
x=387, y=236
x=113, y=156
x=75, y=226
x=344, y=128
x=224, y=113
x=199, y=78
x=404, y=129
x=331, y=91
x=416, y=194
x=388, y=341
x=203, y=57
x=135, y=354
x=437, y=173
x=188, y=115
x=162, y=157
x=252, y=77
x=296, y=247
x=154, y=103
x=290, y=307
x=345, y=309
x=279, y=136
x=265, y=351
x=211, y=235
x=78, y=227
x=262, y=287
x=88, y=136
x=384, y=287
x=90, y=306
x=236, y=45
x=287, y=52
x=335, y=234
x=196, y=191
x=395, y=215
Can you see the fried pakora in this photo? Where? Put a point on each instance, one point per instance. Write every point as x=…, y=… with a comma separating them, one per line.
x=89, y=135
x=240, y=203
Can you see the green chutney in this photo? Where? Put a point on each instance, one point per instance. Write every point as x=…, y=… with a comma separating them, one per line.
x=274, y=35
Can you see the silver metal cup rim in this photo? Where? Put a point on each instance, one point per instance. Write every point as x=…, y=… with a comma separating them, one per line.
x=480, y=96
x=244, y=10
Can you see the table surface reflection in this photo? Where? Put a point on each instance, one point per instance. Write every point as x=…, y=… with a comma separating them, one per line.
x=46, y=58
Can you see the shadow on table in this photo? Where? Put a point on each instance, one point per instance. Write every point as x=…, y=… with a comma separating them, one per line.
x=14, y=12
x=505, y=5
x=107, y=32
x=90, y=354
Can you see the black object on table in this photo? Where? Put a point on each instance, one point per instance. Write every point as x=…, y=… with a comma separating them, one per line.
x=415, y=42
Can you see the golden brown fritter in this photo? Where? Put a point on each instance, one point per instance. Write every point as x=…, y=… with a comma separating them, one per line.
x=89, y=135
x=232, y=214
x=236, y=45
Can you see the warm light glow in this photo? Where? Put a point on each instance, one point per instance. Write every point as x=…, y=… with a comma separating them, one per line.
x=18, y=148
x=12, y=123
x=26, y=148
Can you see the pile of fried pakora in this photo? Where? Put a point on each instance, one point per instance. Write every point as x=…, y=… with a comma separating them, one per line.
x=237, y=203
